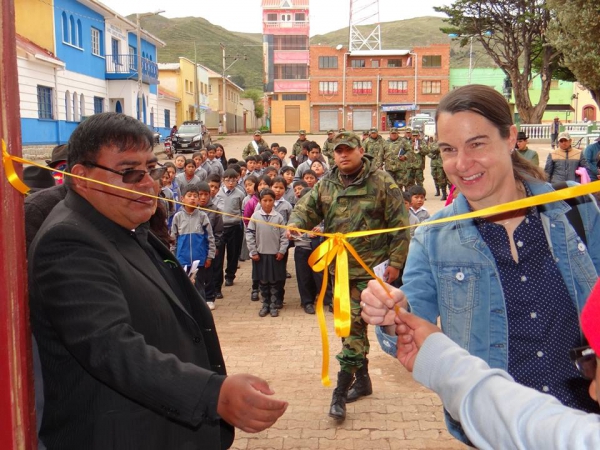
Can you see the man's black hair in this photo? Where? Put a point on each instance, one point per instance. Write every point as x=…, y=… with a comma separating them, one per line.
x=107, y=129
x=280, y=180
x=190, y=188
x=214, y=177
x=230, y=173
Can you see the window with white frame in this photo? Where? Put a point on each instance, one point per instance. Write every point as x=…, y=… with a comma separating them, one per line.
x=397, y=87
x=328, y=87
x=96, y=42
x=68, y=108
x=362, y=87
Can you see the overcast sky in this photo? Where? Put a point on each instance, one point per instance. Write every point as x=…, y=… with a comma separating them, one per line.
x=245, y=15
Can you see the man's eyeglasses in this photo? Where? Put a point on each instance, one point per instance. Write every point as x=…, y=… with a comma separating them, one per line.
x=132, y=176
x=585, y=361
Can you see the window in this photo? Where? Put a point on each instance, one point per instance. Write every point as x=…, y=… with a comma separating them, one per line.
x=82, y=105
x=187, y=86
x=397, y=87
x=286, y=17
x=328, y=62
x=432, y=61
x=328, y=87
x=65, y=27
x=73, y=30
x=68, y=106
x=432, y=87
x=98, y=105
x=299, y=17
x=96, y=42
x=210, y=88
x=75, y=107
x=357, y=63
x=79, y=34
x=275, y=97
x=44, y=99
x=152, y=117
x=192, y=86
x=375, y=63
x=290, y=97
x=291, y=72
x=271, y=17
x=362, y=87
x=394, y=63
x=167, y=118
x=290, y=42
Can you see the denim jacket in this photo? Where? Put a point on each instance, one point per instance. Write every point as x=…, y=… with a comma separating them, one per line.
x=451, y=273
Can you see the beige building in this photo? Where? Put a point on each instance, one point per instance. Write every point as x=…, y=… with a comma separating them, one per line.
x=227, y=107
x=180, y=79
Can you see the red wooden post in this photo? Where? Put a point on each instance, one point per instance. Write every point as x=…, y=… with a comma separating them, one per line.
x=17, y=417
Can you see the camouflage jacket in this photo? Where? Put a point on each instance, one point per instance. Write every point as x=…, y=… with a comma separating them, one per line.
x=434, y=154
x=327, y=151
x=420, y=154
x=250, y=150
x=392, y=151
x=297, y=148
x=374, y=147
x=372, y=201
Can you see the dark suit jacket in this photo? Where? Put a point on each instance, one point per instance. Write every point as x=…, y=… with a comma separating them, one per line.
x=127, y=362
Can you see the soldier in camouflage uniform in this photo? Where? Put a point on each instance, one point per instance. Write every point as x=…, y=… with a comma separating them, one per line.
x=355, y=196
x=328, y=148
x=373, y=146
x=437, y=170
x=297, y=156
x=397, y=156
x=252, y=147
x=420, y=152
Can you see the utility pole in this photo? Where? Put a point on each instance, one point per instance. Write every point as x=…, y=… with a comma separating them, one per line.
x=225, y=68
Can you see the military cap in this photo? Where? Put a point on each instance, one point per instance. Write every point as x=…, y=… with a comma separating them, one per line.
x=330, y=131
x=373, y=130
x=408, y=130
x=347, y=138
x=257, y=133
x=341, y=130
x=393, y=130
x=302, y=132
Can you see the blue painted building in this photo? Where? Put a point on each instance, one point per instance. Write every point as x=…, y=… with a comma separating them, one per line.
x=88, y=65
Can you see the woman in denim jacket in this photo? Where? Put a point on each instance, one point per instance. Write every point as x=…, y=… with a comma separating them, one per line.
x=508, y=288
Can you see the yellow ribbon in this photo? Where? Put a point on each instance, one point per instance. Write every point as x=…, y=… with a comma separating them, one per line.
x=11, y=173
x=336, y=245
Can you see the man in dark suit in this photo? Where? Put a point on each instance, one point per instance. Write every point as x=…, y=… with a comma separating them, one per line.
x=129, y=351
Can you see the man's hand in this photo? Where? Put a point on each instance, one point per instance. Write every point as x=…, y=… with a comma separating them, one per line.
x=412, y=332
x=207, y=263
x=289, y=233
x=244, y=403
x=378, y=306
x=391, y=274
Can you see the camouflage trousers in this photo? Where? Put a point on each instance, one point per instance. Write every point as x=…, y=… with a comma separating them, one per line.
x=355, y=347
x=415, y=176
x=400, y=177
x=439, y=176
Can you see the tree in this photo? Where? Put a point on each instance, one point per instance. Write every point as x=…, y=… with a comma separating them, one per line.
x=257, y=97
x=575, y=32
x=513, y=33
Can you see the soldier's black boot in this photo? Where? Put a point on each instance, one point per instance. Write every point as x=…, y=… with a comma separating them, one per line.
x=338, y=400
x=362, y=384
x=444, y=193
x=437, y=191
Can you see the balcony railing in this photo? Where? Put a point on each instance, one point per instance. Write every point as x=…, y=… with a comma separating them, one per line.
x=123, y=67
x=286, y=24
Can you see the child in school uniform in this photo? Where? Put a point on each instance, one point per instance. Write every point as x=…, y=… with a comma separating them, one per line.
x=417, y=200
x=194, y=238
x=310, y=177
x=287, y=172
x=216, y=221
x=267, y=246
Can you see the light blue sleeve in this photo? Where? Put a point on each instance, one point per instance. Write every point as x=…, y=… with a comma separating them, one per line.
x=496, y=412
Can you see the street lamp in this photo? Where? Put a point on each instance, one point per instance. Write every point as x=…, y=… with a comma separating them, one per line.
x=225, y=68
x=139, y=58
x=470, y=36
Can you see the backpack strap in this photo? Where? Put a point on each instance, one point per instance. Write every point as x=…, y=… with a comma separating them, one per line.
x=573, y=215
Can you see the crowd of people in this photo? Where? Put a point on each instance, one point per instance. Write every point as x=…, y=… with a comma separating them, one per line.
x=122, y=284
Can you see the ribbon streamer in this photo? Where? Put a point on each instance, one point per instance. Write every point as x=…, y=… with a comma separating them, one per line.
x=11, y=173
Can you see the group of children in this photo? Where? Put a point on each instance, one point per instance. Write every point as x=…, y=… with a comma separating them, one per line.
x=207, y=234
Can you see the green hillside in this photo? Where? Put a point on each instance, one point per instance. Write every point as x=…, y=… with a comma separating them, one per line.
x=181, y=33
